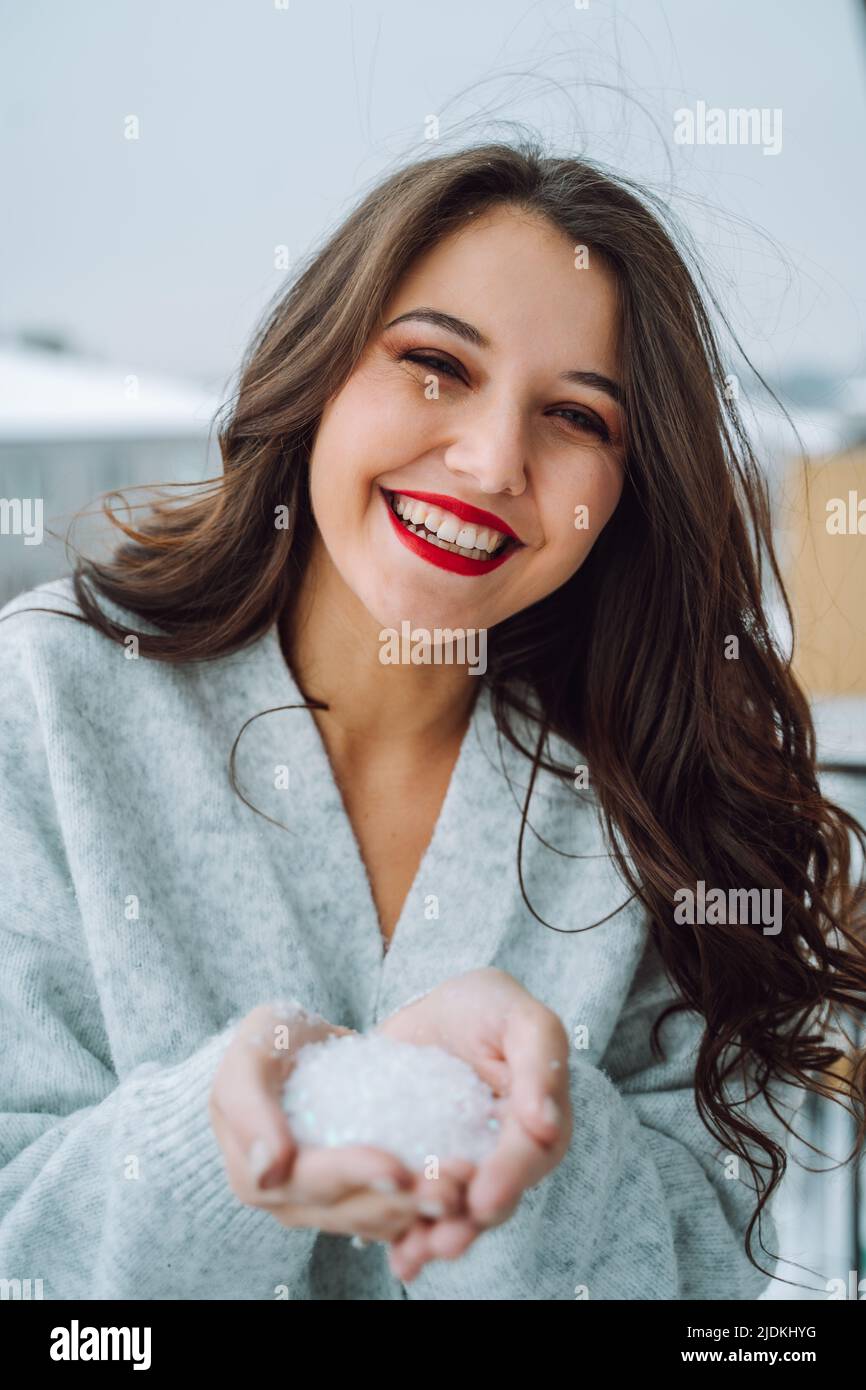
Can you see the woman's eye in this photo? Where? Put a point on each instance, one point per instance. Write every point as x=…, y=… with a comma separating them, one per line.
x=579, y=420
x=436, y=364
x=582, y=420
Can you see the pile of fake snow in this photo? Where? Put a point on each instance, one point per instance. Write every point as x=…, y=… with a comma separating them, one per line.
x=415, y=1102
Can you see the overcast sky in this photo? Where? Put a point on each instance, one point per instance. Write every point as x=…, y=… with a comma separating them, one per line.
x=259, y=126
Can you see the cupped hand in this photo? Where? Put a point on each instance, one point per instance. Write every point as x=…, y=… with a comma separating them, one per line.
x=359, y=1190
x=520, y=1048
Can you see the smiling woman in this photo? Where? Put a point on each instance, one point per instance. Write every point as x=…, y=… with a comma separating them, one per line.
x=493, y=402
x=472, y=367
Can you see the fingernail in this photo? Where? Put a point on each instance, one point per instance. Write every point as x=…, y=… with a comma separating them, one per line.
x=259, y=1158
x=551, y=1112
x=266, y=1173
x=431, y=1208
x=384, y=1185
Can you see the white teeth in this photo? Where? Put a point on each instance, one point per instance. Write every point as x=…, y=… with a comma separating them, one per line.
x=442, y=528
x=449, y=529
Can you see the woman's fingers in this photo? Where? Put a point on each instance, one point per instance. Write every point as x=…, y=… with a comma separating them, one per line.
x=410, y=1253
x=461, y=1169
x=358, y=1191
x=248, y=1086
x=536, y=1050
x=325, y=1176
x=375, y=1214
x=444, y=1195
x=265, y=1165
x=537, y=1121
x=426, y=1241
x=323, y=1193
x=368, y=1193
x=517, y=1162
x=440, y=1239
x=448, y=1239
x=247, y=1093
x=368, y=1215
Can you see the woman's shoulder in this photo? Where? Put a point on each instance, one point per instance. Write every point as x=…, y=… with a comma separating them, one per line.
x=29, y=629
x=60, y=595
x=61, y=671
x=46, y=620
x=48, y=644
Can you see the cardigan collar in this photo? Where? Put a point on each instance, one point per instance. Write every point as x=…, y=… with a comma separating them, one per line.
x=464, y=907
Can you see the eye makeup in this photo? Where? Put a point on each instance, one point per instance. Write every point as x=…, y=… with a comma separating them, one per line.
x=582, y=421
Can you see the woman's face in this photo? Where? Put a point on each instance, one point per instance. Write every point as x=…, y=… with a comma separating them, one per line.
x=496, y=417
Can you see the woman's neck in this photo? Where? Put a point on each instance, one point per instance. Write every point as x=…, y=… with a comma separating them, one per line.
x=332, y=645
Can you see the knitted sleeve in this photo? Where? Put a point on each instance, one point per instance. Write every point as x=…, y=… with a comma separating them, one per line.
x=110, y=1186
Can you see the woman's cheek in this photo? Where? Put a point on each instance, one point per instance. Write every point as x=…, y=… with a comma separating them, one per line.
x=572, y=527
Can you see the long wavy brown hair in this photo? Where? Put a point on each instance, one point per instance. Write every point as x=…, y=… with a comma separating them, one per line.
x=703, y=768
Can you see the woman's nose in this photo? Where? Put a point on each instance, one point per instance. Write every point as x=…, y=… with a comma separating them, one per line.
x=491, y=451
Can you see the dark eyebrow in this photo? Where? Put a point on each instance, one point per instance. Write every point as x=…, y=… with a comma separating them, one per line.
x=447, y=321
x=473, y=335
x=596, y=382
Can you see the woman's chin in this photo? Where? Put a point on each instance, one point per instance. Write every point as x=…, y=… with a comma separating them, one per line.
x=396, y=597
x=416, y=614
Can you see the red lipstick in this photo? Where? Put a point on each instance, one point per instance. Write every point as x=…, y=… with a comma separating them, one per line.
x=449, y=559
x=475, y=515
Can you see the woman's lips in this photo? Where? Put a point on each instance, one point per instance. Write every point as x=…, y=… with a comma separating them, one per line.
x=448, y=559
x=475, y=515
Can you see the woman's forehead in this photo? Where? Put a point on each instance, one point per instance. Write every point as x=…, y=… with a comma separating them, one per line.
x=518, y=280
